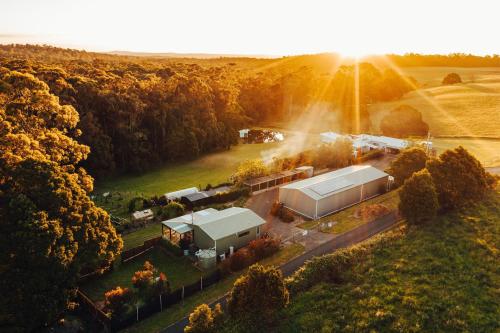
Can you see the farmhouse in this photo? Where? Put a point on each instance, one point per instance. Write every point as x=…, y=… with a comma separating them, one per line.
x=324, y=194
x=224, y=229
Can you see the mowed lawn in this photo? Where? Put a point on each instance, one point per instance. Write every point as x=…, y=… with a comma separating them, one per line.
x=179, y=271
x=210, y=169
x=468, y=109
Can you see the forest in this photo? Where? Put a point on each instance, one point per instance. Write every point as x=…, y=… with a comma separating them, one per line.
x=137, y=112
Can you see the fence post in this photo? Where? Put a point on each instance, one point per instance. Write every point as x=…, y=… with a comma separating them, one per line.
x=183, y=293
x=201, y=283
x=137, y=312
x=161, y=304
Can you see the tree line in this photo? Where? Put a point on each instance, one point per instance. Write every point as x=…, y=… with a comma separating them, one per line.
x=137, y=112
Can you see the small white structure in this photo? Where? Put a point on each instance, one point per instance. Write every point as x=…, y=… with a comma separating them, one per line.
x=306, y=170
x=324, y=194
x=382, y=142
x=207, y=258
x=177, y=195
x=244, y=133
x=329, y=137
x=145, y=215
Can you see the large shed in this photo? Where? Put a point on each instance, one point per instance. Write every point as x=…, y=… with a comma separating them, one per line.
x=327, y=193
x=220, y=229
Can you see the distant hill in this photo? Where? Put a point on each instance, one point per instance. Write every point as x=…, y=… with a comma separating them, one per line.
x=189, y=55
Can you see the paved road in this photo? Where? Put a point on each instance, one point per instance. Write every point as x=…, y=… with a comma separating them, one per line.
x=349, y=238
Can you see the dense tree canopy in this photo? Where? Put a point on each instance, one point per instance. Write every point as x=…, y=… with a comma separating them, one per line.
x=459, y=178
x=49, y=227
x=404, y=121
x=409, y=161
x=137, y=112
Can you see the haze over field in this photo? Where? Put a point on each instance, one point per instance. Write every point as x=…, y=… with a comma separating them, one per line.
x=352, y=28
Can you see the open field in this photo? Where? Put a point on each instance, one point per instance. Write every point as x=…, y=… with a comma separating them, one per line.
x=347, y=219
x=485, y=150
x=163, y=319
x=439, y=277
x=137, y=237
x=469, y=109
x=179, y=271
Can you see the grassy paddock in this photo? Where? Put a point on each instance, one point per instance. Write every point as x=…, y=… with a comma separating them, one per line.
x=467, y=109
x=137, y=237
x=347, y=220
x=162, y=320
x=179, y=271
x=440, y=277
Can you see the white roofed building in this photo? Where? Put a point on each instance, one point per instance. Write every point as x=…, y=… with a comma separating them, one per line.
x=330, y=192
x=177, y=195
x=219, y=229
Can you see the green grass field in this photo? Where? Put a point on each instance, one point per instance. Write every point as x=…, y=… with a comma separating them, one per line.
x=442, y=277
x=347, y=219
x=469, y=109
x=179, y=271
x=137, y=237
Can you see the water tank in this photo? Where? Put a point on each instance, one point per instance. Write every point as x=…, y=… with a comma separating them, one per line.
x=207, y=258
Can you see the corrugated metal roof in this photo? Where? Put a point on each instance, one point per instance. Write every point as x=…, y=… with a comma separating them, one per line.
x=219, y=224
x=181, y=193
x=196, y=196
x=336, y=181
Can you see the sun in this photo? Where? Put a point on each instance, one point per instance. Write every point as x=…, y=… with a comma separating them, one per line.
x=354, y=52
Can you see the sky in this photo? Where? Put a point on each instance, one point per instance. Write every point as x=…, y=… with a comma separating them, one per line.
x=271, y=27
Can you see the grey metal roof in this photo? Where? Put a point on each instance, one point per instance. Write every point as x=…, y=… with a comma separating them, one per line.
x=336, y=181
x=196, y=196
x=218, y=224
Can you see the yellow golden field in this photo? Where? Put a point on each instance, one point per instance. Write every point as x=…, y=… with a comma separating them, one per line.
x=470, y=109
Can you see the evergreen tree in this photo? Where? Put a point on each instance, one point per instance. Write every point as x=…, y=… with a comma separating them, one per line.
x=418, y=198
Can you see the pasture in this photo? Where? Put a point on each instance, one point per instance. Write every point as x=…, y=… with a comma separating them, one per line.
x=470, y=109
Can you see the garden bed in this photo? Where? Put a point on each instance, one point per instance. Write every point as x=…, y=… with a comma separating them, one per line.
x=179, y=270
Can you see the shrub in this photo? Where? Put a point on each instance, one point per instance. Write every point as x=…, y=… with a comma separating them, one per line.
x=264, y=247
x=418, y=198
x=171, y=210
x=161, y=285
x=249, y=169
x=371, y=155
x=452, y=78
x=258, y=296
x=116, y=300
x=286, y=215
x=135, y=204
x=279, y=210
x=241, y=259
x=404, y=121
x=143, y=279
x=172, y=248
x=204, y=320
x=409, y=161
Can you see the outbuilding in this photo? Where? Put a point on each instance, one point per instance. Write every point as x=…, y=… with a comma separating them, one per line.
x=330, y=192
x=177, y=195
x=224, y=229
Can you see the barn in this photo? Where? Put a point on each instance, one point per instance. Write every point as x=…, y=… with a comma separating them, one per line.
x=224, y=229
x=330, y=192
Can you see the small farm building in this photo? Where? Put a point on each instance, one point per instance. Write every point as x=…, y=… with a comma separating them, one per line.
x=195, y=199
x=324, y=194
x=220, y=229
x=177, y=195
x=143, y=215
x=280, y=178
